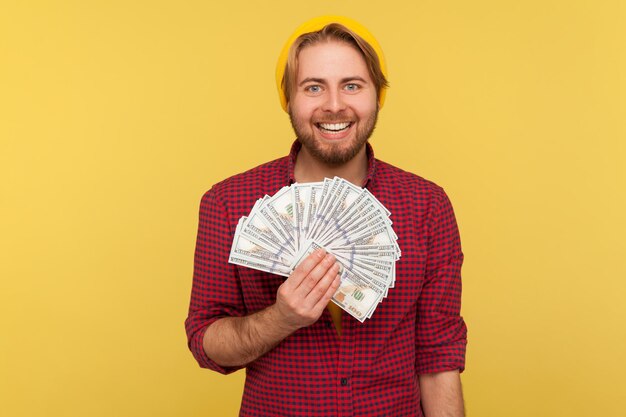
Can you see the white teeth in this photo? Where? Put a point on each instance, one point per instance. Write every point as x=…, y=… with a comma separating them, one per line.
x=334, y=126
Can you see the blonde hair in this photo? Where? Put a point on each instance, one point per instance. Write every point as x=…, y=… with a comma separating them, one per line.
x=332, y=32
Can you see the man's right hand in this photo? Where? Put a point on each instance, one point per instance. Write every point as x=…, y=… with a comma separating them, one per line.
x=301, y=299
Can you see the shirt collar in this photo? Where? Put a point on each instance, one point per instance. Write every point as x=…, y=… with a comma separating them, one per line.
x=295, y=148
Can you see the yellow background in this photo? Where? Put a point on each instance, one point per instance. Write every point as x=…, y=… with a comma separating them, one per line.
x=115, y=117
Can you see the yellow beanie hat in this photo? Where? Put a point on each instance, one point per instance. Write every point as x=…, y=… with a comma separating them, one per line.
x=314, y=25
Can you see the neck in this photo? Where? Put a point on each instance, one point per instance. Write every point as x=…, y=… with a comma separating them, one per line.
x=309, y=169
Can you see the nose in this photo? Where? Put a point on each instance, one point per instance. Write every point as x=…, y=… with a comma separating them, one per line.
x=334, y=101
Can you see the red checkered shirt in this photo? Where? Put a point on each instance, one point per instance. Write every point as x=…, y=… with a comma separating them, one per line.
x=372, y=369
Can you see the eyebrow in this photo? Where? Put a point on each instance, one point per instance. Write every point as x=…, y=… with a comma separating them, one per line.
x=322, y=81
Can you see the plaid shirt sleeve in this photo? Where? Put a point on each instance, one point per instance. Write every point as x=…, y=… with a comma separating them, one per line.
x=216, y=289
x=441, y=332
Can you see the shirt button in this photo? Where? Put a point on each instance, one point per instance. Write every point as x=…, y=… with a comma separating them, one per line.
x=329, y=324
x=344, y=382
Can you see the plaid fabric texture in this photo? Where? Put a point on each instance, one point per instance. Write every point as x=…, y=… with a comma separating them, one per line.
x=372, y=369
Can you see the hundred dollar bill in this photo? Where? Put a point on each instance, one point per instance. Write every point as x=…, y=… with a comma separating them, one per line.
x=259, y=231
x=272, y=268
x=245, y=247
x=380, y=234
x=381, y=264
x=297, y=196
x=327, y=210
x=365, y=277
x=364, y=199
x=365, y=249
x=327, y=187
x=385, y=255
x=353, y=295
x=281, y=206
x=301, y=195
x=363, y=227
x=267, y=214
x=358, y=300
x=313, y=203
x=381, y=268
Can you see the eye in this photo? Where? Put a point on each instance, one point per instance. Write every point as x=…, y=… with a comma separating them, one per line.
x=313, y=88
x=352, y=87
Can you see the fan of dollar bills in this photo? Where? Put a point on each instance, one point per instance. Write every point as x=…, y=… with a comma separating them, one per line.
x=345, y=220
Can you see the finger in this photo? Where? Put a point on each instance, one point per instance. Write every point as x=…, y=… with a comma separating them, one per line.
x=303, y=269
x=312, y=278
x=320, y=289
x=332, y=289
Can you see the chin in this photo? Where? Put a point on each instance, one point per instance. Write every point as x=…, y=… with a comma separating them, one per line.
x=333, y=154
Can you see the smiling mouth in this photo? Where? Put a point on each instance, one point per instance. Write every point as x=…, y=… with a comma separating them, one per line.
x=334, y=127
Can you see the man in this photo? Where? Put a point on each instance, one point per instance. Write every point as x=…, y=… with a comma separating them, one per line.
x=303, y=356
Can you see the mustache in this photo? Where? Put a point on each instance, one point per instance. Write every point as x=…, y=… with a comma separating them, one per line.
x=334, y=118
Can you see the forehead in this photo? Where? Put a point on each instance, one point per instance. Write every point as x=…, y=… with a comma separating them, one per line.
x=331, y=60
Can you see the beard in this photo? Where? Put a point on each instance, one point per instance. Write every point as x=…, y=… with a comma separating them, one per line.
x=334, y=154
